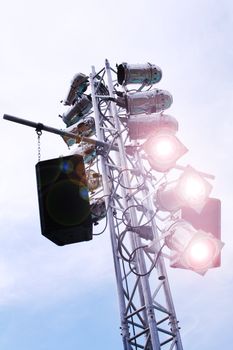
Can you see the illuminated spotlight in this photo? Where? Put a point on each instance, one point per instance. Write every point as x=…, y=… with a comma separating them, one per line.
x=138, y=74
x=163, y=149
x=191, y=190
x=147, y=102
x=77, y=111
x=141, y=126
x=79, y=84
x=208, y=220
x=192, y=249
x=84, y=128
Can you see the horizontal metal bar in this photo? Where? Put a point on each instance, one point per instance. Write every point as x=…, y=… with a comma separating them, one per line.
x=40, y=127
x=166, y=341
x=139, y=334
x=166, y=332
x=135, y=312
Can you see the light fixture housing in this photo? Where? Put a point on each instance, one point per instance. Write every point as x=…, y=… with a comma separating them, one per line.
x=163, y=149
x=147, y=102
x=191, y=190
x=84, y=128
x=192, y=249
x=146, y=74
x=81, y=107
x=79, y=84
x=208, y=220
x=141, y=126
x=87, y=151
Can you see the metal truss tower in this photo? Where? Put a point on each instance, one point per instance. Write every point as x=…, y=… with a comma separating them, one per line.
x=149, y=214
x=147, y=314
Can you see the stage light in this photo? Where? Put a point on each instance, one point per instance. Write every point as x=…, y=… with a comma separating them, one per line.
x=82, y=128
x=191, y=190
x=192, y=249
x=87, y=151
x=147, y=102
x=163, y=149
x=147, y=74
x=81, y=107
x=78, y=86
x=208, y=220
x=141, y=126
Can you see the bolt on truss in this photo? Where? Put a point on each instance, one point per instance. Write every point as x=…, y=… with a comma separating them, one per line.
x=147, y=314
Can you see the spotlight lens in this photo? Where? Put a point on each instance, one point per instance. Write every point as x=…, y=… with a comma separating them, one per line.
x=164, y=148
x=201, y=253
x=194, y=188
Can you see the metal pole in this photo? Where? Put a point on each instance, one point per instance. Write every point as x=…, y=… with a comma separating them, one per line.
x=40, y=127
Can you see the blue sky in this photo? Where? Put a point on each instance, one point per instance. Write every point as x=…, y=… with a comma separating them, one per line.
x=65, y=297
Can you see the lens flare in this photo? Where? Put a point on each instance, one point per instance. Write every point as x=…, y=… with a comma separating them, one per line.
x=201, y=253
x=194, y=189
x=164, y=148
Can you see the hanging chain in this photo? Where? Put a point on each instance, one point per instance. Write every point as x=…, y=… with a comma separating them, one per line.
x=39, y=133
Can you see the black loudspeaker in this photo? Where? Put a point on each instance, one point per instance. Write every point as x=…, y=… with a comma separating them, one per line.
x=63, y=200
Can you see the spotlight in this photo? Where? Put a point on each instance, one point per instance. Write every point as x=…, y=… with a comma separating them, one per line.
x=138, y=74
x=140, y=126
x=79, y=84
x=163, y=149
x=147, y=102
x=84, y=128
x=192, y=249
x=208, y=220
x=81, y=107
x=87, y=151
x=191, y=190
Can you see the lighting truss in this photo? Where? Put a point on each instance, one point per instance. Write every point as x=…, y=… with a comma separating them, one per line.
x=147, y=314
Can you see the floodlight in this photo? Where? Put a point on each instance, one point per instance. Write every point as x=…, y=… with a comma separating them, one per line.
x=79, y=84
x=208, y=220
x=191, y=190
x=163, y=149
x=192, y=249
x=147, y=102
x=81, y=107
x=138, y=74
x=82, y=128
x=141, y=126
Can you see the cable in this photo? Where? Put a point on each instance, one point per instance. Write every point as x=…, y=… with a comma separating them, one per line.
x=152, y=266
x=144, y=210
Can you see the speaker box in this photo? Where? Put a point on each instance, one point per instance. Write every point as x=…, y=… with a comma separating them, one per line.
x=64, y=206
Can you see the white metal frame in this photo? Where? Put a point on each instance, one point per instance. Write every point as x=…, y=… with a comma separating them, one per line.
x=147, y=314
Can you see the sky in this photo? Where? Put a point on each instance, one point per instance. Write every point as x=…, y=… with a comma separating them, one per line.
x=65, y=297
